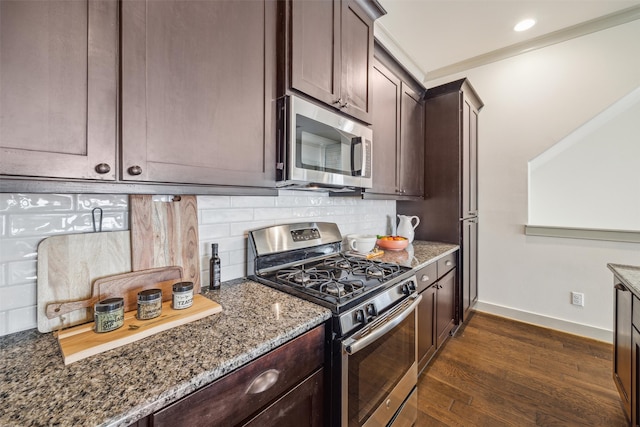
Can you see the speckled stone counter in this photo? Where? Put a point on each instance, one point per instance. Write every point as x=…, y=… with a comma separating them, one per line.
x=629, y=275
x=419, y=253
x=120, y=386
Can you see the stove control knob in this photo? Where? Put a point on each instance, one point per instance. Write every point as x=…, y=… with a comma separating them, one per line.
x=358, y=316
x=371, y=310
x=405, y=289
x=412, y=286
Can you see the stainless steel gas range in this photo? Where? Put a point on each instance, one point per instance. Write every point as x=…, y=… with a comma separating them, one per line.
x=372, y=347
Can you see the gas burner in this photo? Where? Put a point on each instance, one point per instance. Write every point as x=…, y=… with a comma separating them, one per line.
x=300, y=276
x=333, y=288
x=338, y=262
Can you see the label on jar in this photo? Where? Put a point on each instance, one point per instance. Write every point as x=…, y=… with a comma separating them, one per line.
x=182, y=300
x=109, y=321
x=149, y=309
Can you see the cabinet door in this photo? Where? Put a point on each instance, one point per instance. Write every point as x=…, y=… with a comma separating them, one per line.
x=411, y=143
x=58, y=74
x=357, y=54
x=445, y=312
x=301, y=407
x=426, y=326
x=635, y=376
x=469, y=159
x=198, y=90
x=469, y=270
x=315, y=49
x=622, y=344
x=386, y=128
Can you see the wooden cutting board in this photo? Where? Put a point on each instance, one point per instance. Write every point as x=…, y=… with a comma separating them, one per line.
x=125, y=285
x=165, y=233
x=67, y=266
x=81, y=342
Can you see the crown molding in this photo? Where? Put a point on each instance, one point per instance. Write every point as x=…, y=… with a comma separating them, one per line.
x=608, y=21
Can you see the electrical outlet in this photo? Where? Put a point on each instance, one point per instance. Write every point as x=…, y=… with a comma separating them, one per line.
x=577, y=298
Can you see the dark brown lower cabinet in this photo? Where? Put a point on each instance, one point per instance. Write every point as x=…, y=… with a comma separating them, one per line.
x=282, y=388
x=437, y=309
x=623, y=301
x=635, y=373
x=300, y=407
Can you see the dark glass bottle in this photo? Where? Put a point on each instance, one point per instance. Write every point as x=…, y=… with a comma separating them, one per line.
x=214, y=268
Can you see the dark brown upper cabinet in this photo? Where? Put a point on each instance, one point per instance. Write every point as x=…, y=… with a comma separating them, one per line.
x=330, y=51
x=398, y=129
x=58, y=89
x=198, y=92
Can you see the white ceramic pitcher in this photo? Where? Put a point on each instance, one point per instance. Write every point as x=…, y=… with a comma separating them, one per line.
x=406, y=227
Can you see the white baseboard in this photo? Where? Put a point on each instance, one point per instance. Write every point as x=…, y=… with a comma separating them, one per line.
x=547, y=322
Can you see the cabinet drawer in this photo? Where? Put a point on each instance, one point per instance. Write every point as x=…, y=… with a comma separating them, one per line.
x=426, y=276
x=446, y=263
x=636, y=312
x=233, y=398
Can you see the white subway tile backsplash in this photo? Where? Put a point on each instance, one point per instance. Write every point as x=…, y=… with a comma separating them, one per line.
x=26, y=219
x=22, y=272
x=4, y=327
x=273, y=213
x=213, y=231
x=13, y=297
x=21, y=319
x=213, y=202
x=103, y=201
x=253, y=201
x=36, y=202
x=19, y=249
x=217, y=216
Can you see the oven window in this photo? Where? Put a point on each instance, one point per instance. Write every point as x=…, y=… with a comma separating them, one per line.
x=323, y=148
x=375, y=370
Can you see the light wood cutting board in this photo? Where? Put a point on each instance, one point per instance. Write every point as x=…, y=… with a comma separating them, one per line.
x=68, y=264
x=165, y=234
x=81, y=341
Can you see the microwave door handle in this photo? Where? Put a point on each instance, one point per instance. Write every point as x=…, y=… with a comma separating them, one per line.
x=356, y=141
x=360, y=344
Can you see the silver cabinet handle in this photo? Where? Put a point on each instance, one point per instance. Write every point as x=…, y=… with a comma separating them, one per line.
x=135, y=170
x=424, y=278
x=352, y=346
x=103, y=168
x=620, y=287
x=263, y=382
x=448, y=263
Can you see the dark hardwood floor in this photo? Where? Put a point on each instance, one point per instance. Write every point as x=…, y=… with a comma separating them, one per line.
x=498, y=372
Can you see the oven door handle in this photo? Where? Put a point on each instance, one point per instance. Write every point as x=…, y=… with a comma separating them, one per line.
x=356, y=345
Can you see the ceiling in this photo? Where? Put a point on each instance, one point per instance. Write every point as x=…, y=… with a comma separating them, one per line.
x=434, y=38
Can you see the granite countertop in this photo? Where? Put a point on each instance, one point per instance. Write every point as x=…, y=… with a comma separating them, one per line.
x=419, y=253
x=120, y=386
x=629, y=275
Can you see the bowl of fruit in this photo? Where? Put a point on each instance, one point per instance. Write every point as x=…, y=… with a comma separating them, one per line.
x=392, y=243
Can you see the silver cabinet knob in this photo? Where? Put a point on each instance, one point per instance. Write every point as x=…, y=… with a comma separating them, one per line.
x=424, y=278
x=103, y=168
x=135, y=170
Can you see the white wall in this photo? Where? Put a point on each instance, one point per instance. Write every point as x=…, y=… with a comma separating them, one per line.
x=26, y=219
x=532, y=101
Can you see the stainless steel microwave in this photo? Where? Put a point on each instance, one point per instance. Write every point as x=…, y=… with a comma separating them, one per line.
x=319, y=148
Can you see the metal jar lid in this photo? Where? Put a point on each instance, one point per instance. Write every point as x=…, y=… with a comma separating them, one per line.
x=150, y=295
x=183, y=287
x=109, y=304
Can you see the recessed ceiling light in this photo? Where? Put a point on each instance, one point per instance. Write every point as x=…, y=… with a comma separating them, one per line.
x=524, y=25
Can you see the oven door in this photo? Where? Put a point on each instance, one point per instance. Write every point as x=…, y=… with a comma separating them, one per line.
x=379, y=367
